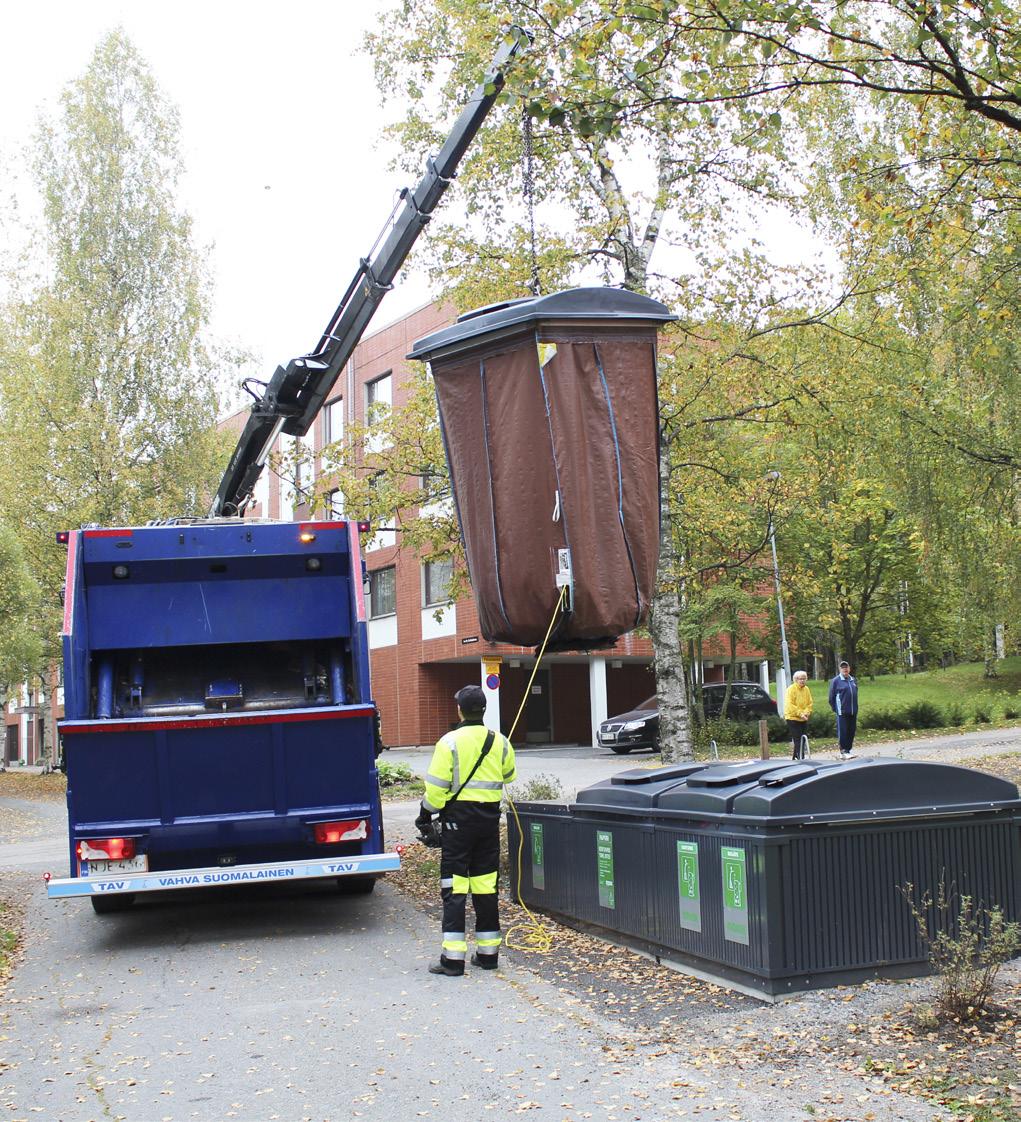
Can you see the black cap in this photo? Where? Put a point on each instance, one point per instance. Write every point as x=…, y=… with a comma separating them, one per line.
x=471, y=699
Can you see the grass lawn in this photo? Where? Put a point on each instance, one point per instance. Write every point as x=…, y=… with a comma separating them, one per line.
x=962, y=685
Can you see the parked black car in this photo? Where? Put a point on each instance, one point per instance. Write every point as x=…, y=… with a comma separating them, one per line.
x=639, y=728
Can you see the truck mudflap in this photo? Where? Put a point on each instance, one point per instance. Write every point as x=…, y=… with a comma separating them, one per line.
x=168, y=879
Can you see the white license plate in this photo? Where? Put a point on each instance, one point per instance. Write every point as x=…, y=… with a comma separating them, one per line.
x=609, y=736
x=137, y=864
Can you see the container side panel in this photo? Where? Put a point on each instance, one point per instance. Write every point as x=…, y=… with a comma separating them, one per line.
x=714, y=908
x=602, y=392
x=845, y=905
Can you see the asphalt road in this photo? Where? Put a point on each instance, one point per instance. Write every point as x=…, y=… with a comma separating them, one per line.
x=294, y=1002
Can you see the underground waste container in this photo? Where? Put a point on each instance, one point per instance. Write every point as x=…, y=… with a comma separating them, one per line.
x=549, y=416
x=777, y=876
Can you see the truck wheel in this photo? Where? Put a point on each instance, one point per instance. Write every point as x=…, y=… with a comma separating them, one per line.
x=356, y=886
x=105, y=905
x=620, y=749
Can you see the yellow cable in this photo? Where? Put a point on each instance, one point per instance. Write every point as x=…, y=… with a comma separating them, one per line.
x=536, y=937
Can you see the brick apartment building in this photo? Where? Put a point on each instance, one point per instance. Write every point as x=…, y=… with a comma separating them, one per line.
x=419, y=660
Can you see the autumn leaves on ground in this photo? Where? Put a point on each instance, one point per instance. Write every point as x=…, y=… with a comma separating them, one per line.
x=879, y=1034
x=877, y=1038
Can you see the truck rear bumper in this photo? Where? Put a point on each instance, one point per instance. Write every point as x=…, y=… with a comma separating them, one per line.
x=369, y=865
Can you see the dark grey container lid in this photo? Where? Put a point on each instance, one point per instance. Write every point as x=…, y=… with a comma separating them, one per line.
x=636, y=788
x=784, y=792
x=610, y=304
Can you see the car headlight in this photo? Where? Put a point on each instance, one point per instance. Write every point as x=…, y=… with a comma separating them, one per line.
x=631, y=726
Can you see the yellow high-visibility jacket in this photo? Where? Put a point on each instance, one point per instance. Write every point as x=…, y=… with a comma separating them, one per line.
x=453, y=759
x=797, y=705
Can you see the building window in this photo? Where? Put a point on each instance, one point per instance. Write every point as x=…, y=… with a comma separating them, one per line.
x=382, y=592
x=436, y=578
x=335, y=505
x=378, y=393
x=333, y=421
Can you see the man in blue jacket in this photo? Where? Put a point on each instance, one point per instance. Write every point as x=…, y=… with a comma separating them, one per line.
x=844, y=702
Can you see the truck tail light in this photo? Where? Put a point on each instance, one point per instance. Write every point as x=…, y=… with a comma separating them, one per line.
x=354, y=829
x=106, y=849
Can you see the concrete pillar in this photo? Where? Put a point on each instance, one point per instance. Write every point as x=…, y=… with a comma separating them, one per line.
x=490, y=668
x=597, y=693
x=781, y=689
x=764, y=675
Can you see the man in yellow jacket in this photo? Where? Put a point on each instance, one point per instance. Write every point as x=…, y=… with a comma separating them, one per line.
x=464, y=786
x=797, y=708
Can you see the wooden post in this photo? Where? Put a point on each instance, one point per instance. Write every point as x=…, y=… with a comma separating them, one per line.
x=763, y=740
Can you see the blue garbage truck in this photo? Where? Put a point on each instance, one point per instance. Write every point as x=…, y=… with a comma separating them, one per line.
x=219, y=726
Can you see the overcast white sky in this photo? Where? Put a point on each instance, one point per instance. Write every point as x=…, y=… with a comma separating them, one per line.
x=281, y=129
x=281, y=134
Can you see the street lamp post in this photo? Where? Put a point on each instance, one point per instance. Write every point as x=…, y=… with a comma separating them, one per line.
x=784, y=649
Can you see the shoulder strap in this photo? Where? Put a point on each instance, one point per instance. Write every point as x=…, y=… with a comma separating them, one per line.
x=486, y=745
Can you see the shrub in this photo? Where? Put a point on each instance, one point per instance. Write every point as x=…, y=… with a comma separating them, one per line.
x=822, y=724
x=967, y=945
x=955, y=715
x=983, y=713
x=924, y=715
x=1011, y=712
x=540, y=788
x=392, y=775
x=884, y=719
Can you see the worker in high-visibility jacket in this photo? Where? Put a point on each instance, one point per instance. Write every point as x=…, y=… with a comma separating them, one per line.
x=465, y=791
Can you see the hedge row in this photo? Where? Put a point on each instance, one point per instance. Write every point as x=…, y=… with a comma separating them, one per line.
x=821, y=726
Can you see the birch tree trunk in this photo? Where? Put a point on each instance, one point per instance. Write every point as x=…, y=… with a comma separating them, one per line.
x=46, y=728
x=664, y=628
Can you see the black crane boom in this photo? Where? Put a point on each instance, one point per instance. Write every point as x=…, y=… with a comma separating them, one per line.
x=296, y=391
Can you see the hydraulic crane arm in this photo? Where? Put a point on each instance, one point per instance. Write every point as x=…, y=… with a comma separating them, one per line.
x=296, y=392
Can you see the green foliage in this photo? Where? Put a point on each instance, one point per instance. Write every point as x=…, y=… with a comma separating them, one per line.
x=390, y=775
x=540, y=788
x=822, y=724
x=20, y=648
x=925, y=715
x=892, y=720
x=107, y=402
x=983, y=713
x=954, y=715
x=968, y=944
x=884, y=389
x=740, y=733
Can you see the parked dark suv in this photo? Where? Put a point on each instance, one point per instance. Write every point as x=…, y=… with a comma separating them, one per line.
x=748, y=701
x=639, y=728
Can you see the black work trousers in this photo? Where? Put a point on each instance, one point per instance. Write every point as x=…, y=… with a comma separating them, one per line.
x=796, y=730
x=470, y=862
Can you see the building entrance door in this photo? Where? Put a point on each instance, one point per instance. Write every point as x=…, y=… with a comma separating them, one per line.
x=538, y=711
x=12, y=744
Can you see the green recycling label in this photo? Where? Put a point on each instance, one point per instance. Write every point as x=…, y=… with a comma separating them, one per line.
x=604, y=868
x=538, y=873
x=735, y=895
x=687, y=886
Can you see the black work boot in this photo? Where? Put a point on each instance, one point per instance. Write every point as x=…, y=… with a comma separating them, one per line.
x=452, y=968
x=486, y=961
